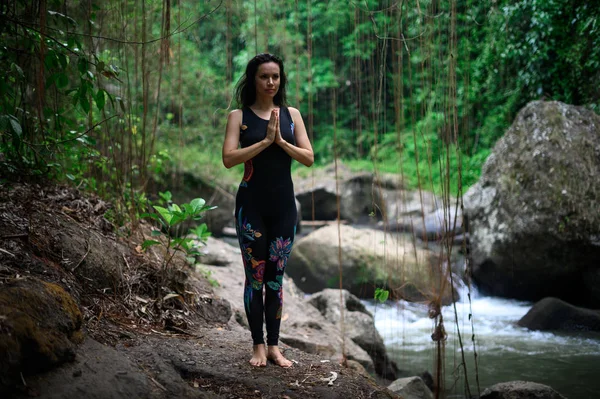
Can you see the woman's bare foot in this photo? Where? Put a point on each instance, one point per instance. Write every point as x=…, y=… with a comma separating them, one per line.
x=275, y=355
x=259, y=356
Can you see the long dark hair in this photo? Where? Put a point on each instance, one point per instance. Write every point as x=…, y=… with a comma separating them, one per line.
x=245, y=90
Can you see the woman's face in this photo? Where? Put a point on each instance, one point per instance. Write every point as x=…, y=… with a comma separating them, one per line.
x=267, y=79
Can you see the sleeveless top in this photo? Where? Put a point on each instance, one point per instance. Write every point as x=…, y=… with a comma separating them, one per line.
x=272, y=167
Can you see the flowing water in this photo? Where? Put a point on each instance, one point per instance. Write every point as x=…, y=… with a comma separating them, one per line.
x=570, y=363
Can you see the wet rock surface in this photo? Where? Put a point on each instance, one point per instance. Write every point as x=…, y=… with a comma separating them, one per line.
x=520, y=390
x=553, y=314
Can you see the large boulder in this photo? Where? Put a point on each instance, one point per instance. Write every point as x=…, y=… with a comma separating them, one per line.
x=552, y=314
x=533, y=215
x=520, y=390
x=370, y=259
x=411, y=388
x=440, y=224
x=405, y=208
x=40, y=325
x=358, y=325
x=357, y=198
x=363, y=198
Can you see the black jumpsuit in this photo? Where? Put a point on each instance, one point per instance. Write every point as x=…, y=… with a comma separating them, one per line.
x=265, y=214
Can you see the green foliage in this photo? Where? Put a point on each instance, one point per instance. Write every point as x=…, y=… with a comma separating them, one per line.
x=170, y=217
x=533, y=49
x=393, y=86
x=381, y=295
x=48, y=88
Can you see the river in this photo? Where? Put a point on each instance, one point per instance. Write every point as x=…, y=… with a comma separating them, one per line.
x=570, y=363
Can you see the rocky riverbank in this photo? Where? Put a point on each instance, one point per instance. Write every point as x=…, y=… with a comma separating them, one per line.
x=82, y=305
x=80, y=318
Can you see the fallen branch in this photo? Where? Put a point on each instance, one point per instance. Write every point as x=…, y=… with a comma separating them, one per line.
x=6, y=252
x=158, y=384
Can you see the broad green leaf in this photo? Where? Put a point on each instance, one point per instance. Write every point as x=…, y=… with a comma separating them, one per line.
x=16, y=126
x=156, y=233
x=122, y=104
x=14, y=67
x=82, y=65
x=62, y=80
x=197, y=203
x=100, y=99
x=64, y=61
x=85, y=104
x=111, y=98
x=50, y=60
x=51, y=80
x=149, y=243
x=150, y=215
x=381, y=295
x=177, y=218
x=166, y=196
x=185, y=244
x=200, y=231
x=165, y=213
x=187, y=209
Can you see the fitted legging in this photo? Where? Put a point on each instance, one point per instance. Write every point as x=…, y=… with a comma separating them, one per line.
x=266, y=237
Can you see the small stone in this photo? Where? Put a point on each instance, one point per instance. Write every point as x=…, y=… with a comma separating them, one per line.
x=77, y=373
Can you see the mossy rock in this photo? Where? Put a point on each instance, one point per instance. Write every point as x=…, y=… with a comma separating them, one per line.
x=40, y=325
x=533, y=216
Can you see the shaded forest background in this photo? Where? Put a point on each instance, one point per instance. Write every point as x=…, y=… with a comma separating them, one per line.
x=112, y=95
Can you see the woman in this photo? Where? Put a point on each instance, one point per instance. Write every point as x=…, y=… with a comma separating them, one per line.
x=270, y=135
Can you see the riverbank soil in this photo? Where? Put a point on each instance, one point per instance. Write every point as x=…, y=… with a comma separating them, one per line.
x=136, y=332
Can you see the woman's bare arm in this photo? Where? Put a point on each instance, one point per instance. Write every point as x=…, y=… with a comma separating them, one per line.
x=302, y=151
x=232, y=155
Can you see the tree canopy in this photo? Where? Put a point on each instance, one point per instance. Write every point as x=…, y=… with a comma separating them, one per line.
x=111, y=94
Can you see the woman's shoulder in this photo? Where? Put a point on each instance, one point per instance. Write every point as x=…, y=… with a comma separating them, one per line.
x=294, y=111
x=235, y=115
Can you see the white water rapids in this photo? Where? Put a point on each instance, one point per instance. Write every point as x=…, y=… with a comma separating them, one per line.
x=570, y=363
